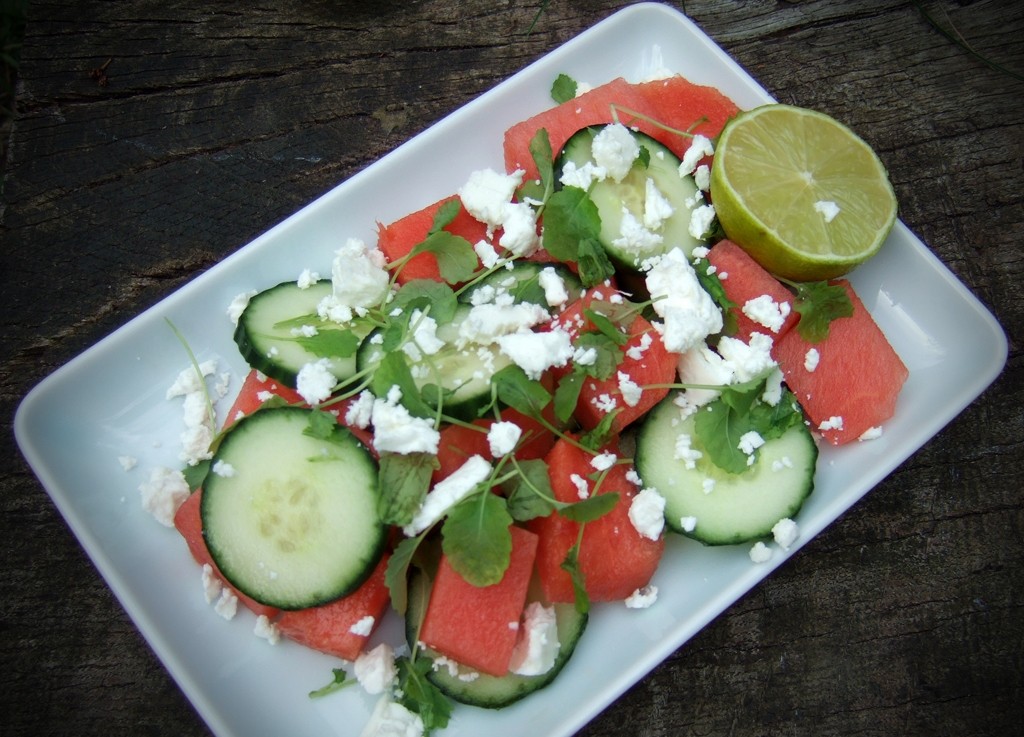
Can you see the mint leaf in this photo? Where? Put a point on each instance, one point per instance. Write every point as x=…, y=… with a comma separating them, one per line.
x=393, y=370
x=594, y=265
x=540, y=150
x=417, y=694
x=196, y=475
x=445, y=214
x=455, y=256
x=571, y=565
x=599, y=436
x=426, y=295
x=515, y=389
x=719, y=429
x=330, y=343
x=607, y=355
x=819, y=303
x=570, y=217
x=404, y=481
x=476, y=539
x=563, y=88
x=606, y=326
x=567, y=394
x=396, y=575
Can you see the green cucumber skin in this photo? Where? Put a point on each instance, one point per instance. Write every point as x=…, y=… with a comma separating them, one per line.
x=742, y=512
x=608, y=196
x=347, y=538
x=285, y=366
x=492, y=692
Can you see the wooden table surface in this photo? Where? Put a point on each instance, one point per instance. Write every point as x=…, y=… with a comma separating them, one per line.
x=213, y=121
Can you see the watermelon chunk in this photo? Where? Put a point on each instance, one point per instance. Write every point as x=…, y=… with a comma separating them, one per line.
x=854, y=384
x=256, y=389
x=744, y=279
x=189, y=522
x=615, y=559
x=459, y=443
x=341, y=627
x=397, y=239
x=478, y=626
x=680, y=104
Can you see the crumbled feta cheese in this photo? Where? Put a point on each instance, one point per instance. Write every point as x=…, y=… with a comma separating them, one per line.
x=502, y=438
x=395, y=430
x=707, y=485
x=537, y=646
x=486, y=322
x=267, y=630
x=212, y=585
x=238, y=304
x=683, y=451
x=700, y=146
x=307, y=279
x=785, y=532
x=582, y=176
x=536, y=352
x=827, y=208
x=360, y=411
x=581, y=484
x=689, y=524
x=304, y=331
x=630, y=390
x=189, y=381
x=603, y=461
x=642, y=598
x=223, y=469
x=375, y=669
x=519, y=229
x=227, y=604
x=585, y=356
x=647, y=513
x=487, y=193
x=485, y=252
x=760, y=553
x=447, y=492
x=773, y=388
x=657, y=208
x=391, y=719
x=689, y=313
x=811, y=359
x=315, y=382
x=424, y=338
x=636, y=352
x=748, y=359
x=872, y=433
x=832, y=423
x=614, y=149
x=165, y=491
x=767, y=312
x=701, y=220
x=635, y=237
x=127, y=462
x=701, y=365
x=702, y=177
x=555, y=293
x=360, y=282
x=364, y=627
x=749, y=442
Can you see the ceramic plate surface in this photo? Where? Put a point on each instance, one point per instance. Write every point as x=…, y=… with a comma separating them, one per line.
x=110, y=401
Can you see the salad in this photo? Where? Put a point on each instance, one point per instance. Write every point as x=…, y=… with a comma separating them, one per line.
x=489, y=421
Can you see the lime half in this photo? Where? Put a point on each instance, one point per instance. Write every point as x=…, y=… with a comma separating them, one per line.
x=800, y=192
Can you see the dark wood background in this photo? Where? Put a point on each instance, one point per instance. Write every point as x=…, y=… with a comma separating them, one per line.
x=904, y=617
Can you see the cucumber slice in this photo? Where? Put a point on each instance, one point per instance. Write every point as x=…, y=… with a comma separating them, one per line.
x=462, y=371
x=271, y=333
x=480, y=689
x=523, y=282
x=291, y=519
x=612, y=198
x=738, y=507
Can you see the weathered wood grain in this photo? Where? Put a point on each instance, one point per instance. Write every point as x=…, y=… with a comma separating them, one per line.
x=219, y=120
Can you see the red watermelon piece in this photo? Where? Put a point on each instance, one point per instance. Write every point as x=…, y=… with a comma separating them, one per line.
x=477, y=626
x=680, y=104
x=397, y=239
x=858, y=376
x=744, y=279
x=458, y=443
x=329, y=628
x=189, y=523
x=256, y=389
x=561, y=121
x=615, y=559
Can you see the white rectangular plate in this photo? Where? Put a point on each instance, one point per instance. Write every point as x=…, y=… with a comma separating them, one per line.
x=110, y=402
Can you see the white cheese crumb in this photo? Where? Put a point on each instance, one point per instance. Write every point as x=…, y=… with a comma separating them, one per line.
x=360, y=282
x=212, y=585
x=872, y=433
x=555, y=293
x=447, y=492
x=700, y=146
x=657, y=208
x=223, y=469
x=227, y=604
x=375, y=669
x=689, y=524
x=767, y=312
x=603, y=461
x=684, y=452
x=689, y=313
x=750, y=441
x=397, y=431
x=536, y=352
x=364, y=627
x=702, y=177
x=832, y=423
x=165, y=491
x=811, y=359
x=238, y=304
x=827, y=208
x=582, y=176
x=785, y=533
x=634, y=236
x=748, y=359
x=581, y=484
x=127, y=462
x=360, y=411
x=315, y=382
x=537, y=645
x=485, y=252
x=267, y=630
x=615, y=149
x=760, y=553
x=307, y=279
x=487, y=193
x=701, y=220
x=647, y=513
x=391, y=719
x=502, y=438
x=630, y=390
x=642, y=598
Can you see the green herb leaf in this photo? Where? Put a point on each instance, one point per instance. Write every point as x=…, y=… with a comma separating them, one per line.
x=591, y=508
x=713, y=285
x=417, y=694
x=529, y=492
x=393, y=370
x=445, y=215
x=594, y=265
x=570, y=217
x=719, y=429
x=567, y=394
x=600, y=435
x=330, y=343
x=571, y=565
x=540, y=150
x=396, y=575
x=518, y=391
x=476, y=538
x=455, y=256
x=426, y=295
x=606, y=326
x=608, y=355
x=819, y=303
x=340, y=681
x=322, y=425
x=563, y=88
x=195, y=476
x=404, y=481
